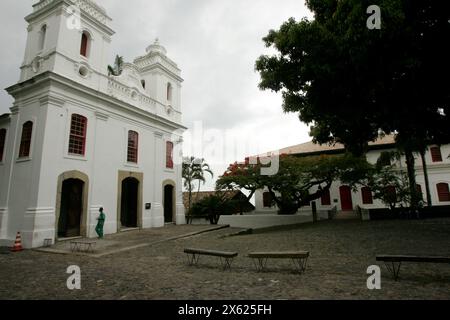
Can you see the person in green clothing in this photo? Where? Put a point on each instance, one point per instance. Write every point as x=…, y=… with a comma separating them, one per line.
x=100, y=223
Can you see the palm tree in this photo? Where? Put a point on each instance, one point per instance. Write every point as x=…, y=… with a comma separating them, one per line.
x=194, y=169
x=118, y=65
x=188, y=174
x=201, y=167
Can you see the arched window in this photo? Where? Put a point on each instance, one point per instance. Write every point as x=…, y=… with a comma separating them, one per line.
x=366, y=194
x=436, y=155
x=169, y=155
x=325, y=200
x=267, y=199
x=42, y=35
x=2, y=143
x=133, y=143
x=77, y=140
x=25, y=140
x=143, y=83
x=169, y=92
x=443, y=192
x=84, y=48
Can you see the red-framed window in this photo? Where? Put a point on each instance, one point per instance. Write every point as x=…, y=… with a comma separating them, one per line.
x=25, y=140
x=391, y=193
x=325, y=200
x=366, y=195
x=443, y=192
x=436, y=155
x=133, y=145
x=2, y=143
x=169, y=155
x=419, y=191
x=77, y=140
x=267, y=199
x=84, y=44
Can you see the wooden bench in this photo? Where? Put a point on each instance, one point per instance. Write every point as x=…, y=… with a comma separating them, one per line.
x=226, y=258
x=394, y=262
x=82, y=245
x=299, y=258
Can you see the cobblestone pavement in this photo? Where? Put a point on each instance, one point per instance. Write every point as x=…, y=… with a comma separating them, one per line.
x=340, y=251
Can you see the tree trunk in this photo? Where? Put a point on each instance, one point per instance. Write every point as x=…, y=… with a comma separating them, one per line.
x=410, y=163
x=427, y=182
x=190, y=197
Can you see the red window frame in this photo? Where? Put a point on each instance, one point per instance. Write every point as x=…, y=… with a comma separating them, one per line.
x=133, y=146
x=419, y=191
x=443, y=192
x=325, y=200
x=366, y=195
x=84, y=44
x=2, y=143
x=25, y=140
x=267, y=199
x=77, y=140
x=436, y=155
x=169, y=155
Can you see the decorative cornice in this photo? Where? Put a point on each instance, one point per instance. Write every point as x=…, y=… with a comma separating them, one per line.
x=101, y=116
x=14, y=109
x=52, y=100
x=88, y=9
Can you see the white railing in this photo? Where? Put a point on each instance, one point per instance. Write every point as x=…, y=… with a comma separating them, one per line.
x=88, y=6
x=142, y=101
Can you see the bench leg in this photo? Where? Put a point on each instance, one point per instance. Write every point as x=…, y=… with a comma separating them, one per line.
x=394, y=268
x=226, y=262
x=300, y=264
x=193, y=259
x=260, y=264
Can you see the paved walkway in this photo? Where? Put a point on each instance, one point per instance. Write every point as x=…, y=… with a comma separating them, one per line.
x=340, y=253
x=133, y=239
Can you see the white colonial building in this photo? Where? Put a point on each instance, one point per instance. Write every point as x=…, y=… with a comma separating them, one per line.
x=78, y=139
x=344, y=199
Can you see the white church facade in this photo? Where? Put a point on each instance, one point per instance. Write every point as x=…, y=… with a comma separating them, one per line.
x=343, y=198
x=78, y=139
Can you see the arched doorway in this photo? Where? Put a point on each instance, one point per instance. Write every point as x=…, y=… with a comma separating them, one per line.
x=346, y=198
x=168, y=203
x=71, y=205
x=71, y=208
x=129, y=203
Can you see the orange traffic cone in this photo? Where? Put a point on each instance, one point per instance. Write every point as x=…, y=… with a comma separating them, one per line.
x=18, y=244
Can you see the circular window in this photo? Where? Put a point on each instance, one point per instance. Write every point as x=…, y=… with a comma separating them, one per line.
x=83, y=71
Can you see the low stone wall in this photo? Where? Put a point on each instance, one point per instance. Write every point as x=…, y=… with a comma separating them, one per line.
x=260, y=221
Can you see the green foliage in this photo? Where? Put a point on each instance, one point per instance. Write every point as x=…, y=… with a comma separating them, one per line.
x=291, y=186
x=118, y=66
x=213, y=206
x=349, y=82
x=194, y=169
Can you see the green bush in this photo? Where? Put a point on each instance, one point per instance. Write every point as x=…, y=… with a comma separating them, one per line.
x=213, y=207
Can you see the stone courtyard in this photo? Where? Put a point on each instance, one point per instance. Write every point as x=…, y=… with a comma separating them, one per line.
x=151, y=265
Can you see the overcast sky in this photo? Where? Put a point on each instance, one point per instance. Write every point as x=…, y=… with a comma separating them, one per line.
x=215, y=43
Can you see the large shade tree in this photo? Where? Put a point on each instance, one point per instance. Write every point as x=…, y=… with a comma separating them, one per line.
x=350, y=83
x=298, y=181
